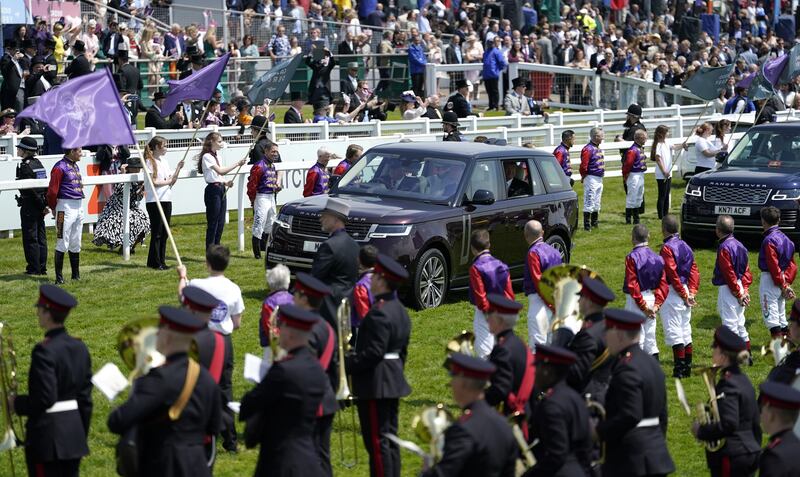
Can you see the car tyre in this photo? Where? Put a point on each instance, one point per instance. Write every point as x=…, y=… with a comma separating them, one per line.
x=431, y=280
x=558, y=243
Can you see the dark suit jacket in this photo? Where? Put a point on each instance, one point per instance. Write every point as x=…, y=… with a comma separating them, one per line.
x=433, y=113
x=153, y=119
x=336, y=264
x=107, y=43
x=171, y=42
x=80, y=66
x=346, y=49
x=52, y=74
x=130, y=79
x=318, y=87
x=11, y=77
x=450, y=56
x=518, y=188
x=291, y=117
x=34, y=86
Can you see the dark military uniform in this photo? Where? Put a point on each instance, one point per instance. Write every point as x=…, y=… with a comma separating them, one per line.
x=458, y=104
x=788, y=370
x=165, y=447
x=634, y=431
x=216, y=355
x=323, y=344
x=32, y=203
x=779, y=458
x=453, y=136
x=336, y=264
x=376, y=368
x=591, y=373
x=513, y=360
x=286, y=403
x=479, y=444
x=58, y=406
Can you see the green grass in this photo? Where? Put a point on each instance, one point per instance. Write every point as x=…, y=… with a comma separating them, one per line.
x=113, y=292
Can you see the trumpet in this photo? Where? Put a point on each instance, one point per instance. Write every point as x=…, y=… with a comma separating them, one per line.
x=600, y=412
x=343, y=393
x=559, y=288
x=708, y=412
x=8, y=388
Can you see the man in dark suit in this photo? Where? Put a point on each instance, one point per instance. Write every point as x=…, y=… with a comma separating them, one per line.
x=349, y=83
x=153, y=118
x=433, y=111
x=336, y=261
x=175, y=42
x=458, y=102
x=515, y=186
x=348, y=46
x=59, y=406
x=12, y=94
x=452, y=54
x=319, y=86
x=294, y=115
x=130, y=79
x=111, y=40
x=50, y=63
x=36, y=85
x=80, y=64
x=377, y=365
x=198, y=62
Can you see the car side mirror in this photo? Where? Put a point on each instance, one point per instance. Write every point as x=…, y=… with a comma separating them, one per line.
x=721, y=156
x=482, y=197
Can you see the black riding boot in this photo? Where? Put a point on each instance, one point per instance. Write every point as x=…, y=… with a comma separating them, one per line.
x=635, y=213
x=627, y=215
x=655, y=356
x=59, y=264
x=587, y=224
x=75, y=264
x=264, y=238
x=594, y=219
x=256, y=247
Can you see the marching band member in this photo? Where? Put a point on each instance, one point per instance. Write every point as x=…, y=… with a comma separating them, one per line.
x=486, y=275
x=732, y=276
x=645, y=287
x=788, y=370
x=480, y=443
x=309, y=294
x=591, y=371
x=59, y=400
x=278, y=283
x=262, y=190
x=511, y=384
x=635, y=428
x=592, y=170
x=376, y=367
x=174, y=406
x=780, y=407
x=64, y=197
x=541, y=256
x=287, y=399
x=634, y=166
x=738, y=411
x=362, y=295
x=778, y=270
x=680, y=273
x=560, y=419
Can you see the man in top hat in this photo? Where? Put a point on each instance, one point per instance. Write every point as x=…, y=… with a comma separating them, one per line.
x=591, y=371
x=80, y=65
x=732, y=277
x=174, y=406
x=318, y=177
x=780, y=407
x=450, y=126
x=130, y=79
x=376, y=367
x=36, y=84
x=515, y=101
x=680, y=273
x=294, y=115
x=154, y=119
x=592, y=170
x=561, y=153
x=541, y=256
x=33, y=208
x=634, y=166
x=480, y=442
x=59, y=403
x=29, y=49
x=635, y=427
x=65, y=198
x=262, y=186
x=319, y=84
x=336, y=260
x=12, y=90
x=458, y=102
x=560, y=420
x=778, y=271
x=349, y=84
x=283, y=407
x=787, y=370
x=50, y=63
x=512, y=383
x=197, y=62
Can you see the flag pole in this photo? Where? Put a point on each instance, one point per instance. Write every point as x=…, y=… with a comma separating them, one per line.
x=695, y=124
x=733, y=131
x=158, y=205
x=194, y=136
x=253, y=145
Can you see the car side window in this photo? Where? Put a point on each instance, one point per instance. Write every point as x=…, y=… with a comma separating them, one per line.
x=517, y=178
x=553, y=175
x=536, y=180
x=485, y=176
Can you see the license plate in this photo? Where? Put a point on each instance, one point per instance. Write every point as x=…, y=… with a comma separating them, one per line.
x=731, y=210
x=311, y=246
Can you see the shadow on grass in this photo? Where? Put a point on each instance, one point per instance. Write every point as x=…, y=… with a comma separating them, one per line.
x=258, y=294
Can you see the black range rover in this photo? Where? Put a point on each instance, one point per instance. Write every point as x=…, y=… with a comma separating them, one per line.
x=419, y=202
x=763, y=169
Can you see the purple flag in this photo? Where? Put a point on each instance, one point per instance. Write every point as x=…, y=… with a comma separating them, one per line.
x=746, y=81
x=84, y=111
x=199, y=85
x=773, y=69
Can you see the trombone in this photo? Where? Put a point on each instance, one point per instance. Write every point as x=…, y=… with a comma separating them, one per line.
x=8, y=388
x=343, y=394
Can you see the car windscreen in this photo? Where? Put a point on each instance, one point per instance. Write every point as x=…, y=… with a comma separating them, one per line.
x=766, y=149
x=390, y=175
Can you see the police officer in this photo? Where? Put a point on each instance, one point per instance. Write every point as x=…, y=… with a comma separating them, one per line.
x=789, y=368
x=458, y=102
x=780, y=406
x=560, y=420
x=592, y=170
x=174, y=406
x=512, y=383
x=283, y=407
x=736, y=401
x=65, y=197
x=262, y=189
x=480, y=443
x=541, y=257
x=450, y=126
x=635, y=428
x=59, y=406
x=778, y=271
x=591, y=371
x=33, y=208
x=376, y=367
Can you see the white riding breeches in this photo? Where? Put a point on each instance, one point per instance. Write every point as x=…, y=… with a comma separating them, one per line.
x=676, y=319
x=69, y=225
x=484, y=340
x=731, y=312
x=647, y=337
x=263, y=214
x=539, y=316
x=773, y=305
x=592, y=193
x=635, y=195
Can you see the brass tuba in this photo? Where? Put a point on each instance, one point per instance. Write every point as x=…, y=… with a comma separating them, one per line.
x=136, y=344
x=559, y=288
x=8, y=387
x=343, y=394
x=429, y=426
x=708, y=412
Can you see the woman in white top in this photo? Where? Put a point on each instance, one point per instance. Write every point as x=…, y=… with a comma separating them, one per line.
x=163, y=179
x=721, y=129
x=410, y=109
x=661, y=153
x=705, y=151
x=209, y=165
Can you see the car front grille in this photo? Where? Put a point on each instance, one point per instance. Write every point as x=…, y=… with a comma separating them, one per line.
x=788, y=218
x=311, y=227
x=736, y=195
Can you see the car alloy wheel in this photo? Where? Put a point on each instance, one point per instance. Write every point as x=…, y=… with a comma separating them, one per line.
x=557, y=243
x=431, y=279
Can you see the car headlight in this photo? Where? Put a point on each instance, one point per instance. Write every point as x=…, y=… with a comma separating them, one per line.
x=383, y=231
x=786, y=194
x=284, y=220
x=694, y=190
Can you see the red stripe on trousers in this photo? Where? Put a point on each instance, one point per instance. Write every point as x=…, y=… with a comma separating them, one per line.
x=376, y=443
x=40, y=470
x=726, y=466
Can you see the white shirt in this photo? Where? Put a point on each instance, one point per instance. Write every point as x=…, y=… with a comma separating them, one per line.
x=231, y=302
x=163, y=173
x=664, y=151
x=209, y=174
x=700, y=145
